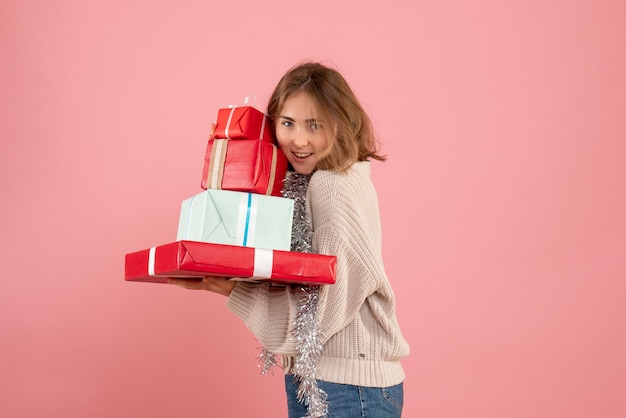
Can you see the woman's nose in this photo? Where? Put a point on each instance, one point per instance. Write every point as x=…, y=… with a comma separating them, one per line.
x=301, y=138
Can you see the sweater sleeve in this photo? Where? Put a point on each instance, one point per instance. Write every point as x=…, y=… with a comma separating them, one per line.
x=346, y=224
x=267, y=311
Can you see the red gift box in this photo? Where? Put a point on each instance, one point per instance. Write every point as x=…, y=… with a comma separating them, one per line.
x=244, y=166
x=194, y=259
x=243, y=122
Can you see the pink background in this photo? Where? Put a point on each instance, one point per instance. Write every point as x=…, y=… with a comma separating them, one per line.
x=503, y=199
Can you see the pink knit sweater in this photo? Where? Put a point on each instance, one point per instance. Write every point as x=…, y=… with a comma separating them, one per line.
x=363, y=343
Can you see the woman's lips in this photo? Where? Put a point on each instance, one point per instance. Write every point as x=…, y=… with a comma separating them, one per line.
x=302, y=154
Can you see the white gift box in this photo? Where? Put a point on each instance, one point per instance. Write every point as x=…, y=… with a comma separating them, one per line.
x=237, y=218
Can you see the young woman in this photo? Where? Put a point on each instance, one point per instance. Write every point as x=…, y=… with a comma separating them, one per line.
x=341, y=344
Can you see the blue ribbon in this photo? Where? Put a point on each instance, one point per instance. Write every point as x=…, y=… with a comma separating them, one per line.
x=245, y=230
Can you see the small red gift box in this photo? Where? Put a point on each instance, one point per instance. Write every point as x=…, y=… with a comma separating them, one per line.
x=244, y=166
x=192, y=259
x=243, y=122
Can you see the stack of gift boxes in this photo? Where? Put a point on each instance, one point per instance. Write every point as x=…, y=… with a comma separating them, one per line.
x=239, y=227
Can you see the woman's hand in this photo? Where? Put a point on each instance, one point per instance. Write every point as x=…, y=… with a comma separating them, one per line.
x=212, y=284
x=212, y=132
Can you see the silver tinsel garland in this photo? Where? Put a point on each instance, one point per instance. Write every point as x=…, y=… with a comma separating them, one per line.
x=308, y=348
x=308, y=343
x=295, y=187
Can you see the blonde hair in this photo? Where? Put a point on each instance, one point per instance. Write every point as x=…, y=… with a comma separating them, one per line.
x=354, y=140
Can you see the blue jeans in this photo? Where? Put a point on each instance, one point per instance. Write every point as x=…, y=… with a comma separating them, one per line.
x=347, y=401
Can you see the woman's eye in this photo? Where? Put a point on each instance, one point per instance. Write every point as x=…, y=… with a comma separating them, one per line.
x=287, y=124
x=315, y=126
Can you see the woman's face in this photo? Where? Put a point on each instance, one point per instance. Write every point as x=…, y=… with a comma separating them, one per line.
x=301, y=134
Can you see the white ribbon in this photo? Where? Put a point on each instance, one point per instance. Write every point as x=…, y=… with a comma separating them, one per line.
x=263, y=260
x=151, y=258
x=263, y=126
x=214, y=175
x=230, y=118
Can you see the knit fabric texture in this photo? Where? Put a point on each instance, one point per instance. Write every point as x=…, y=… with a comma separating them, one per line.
x=362, y=340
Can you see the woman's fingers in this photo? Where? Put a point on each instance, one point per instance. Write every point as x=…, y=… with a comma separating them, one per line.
x=212, y=284
x=219, y=285
x=192, y=284
x=212, y=132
